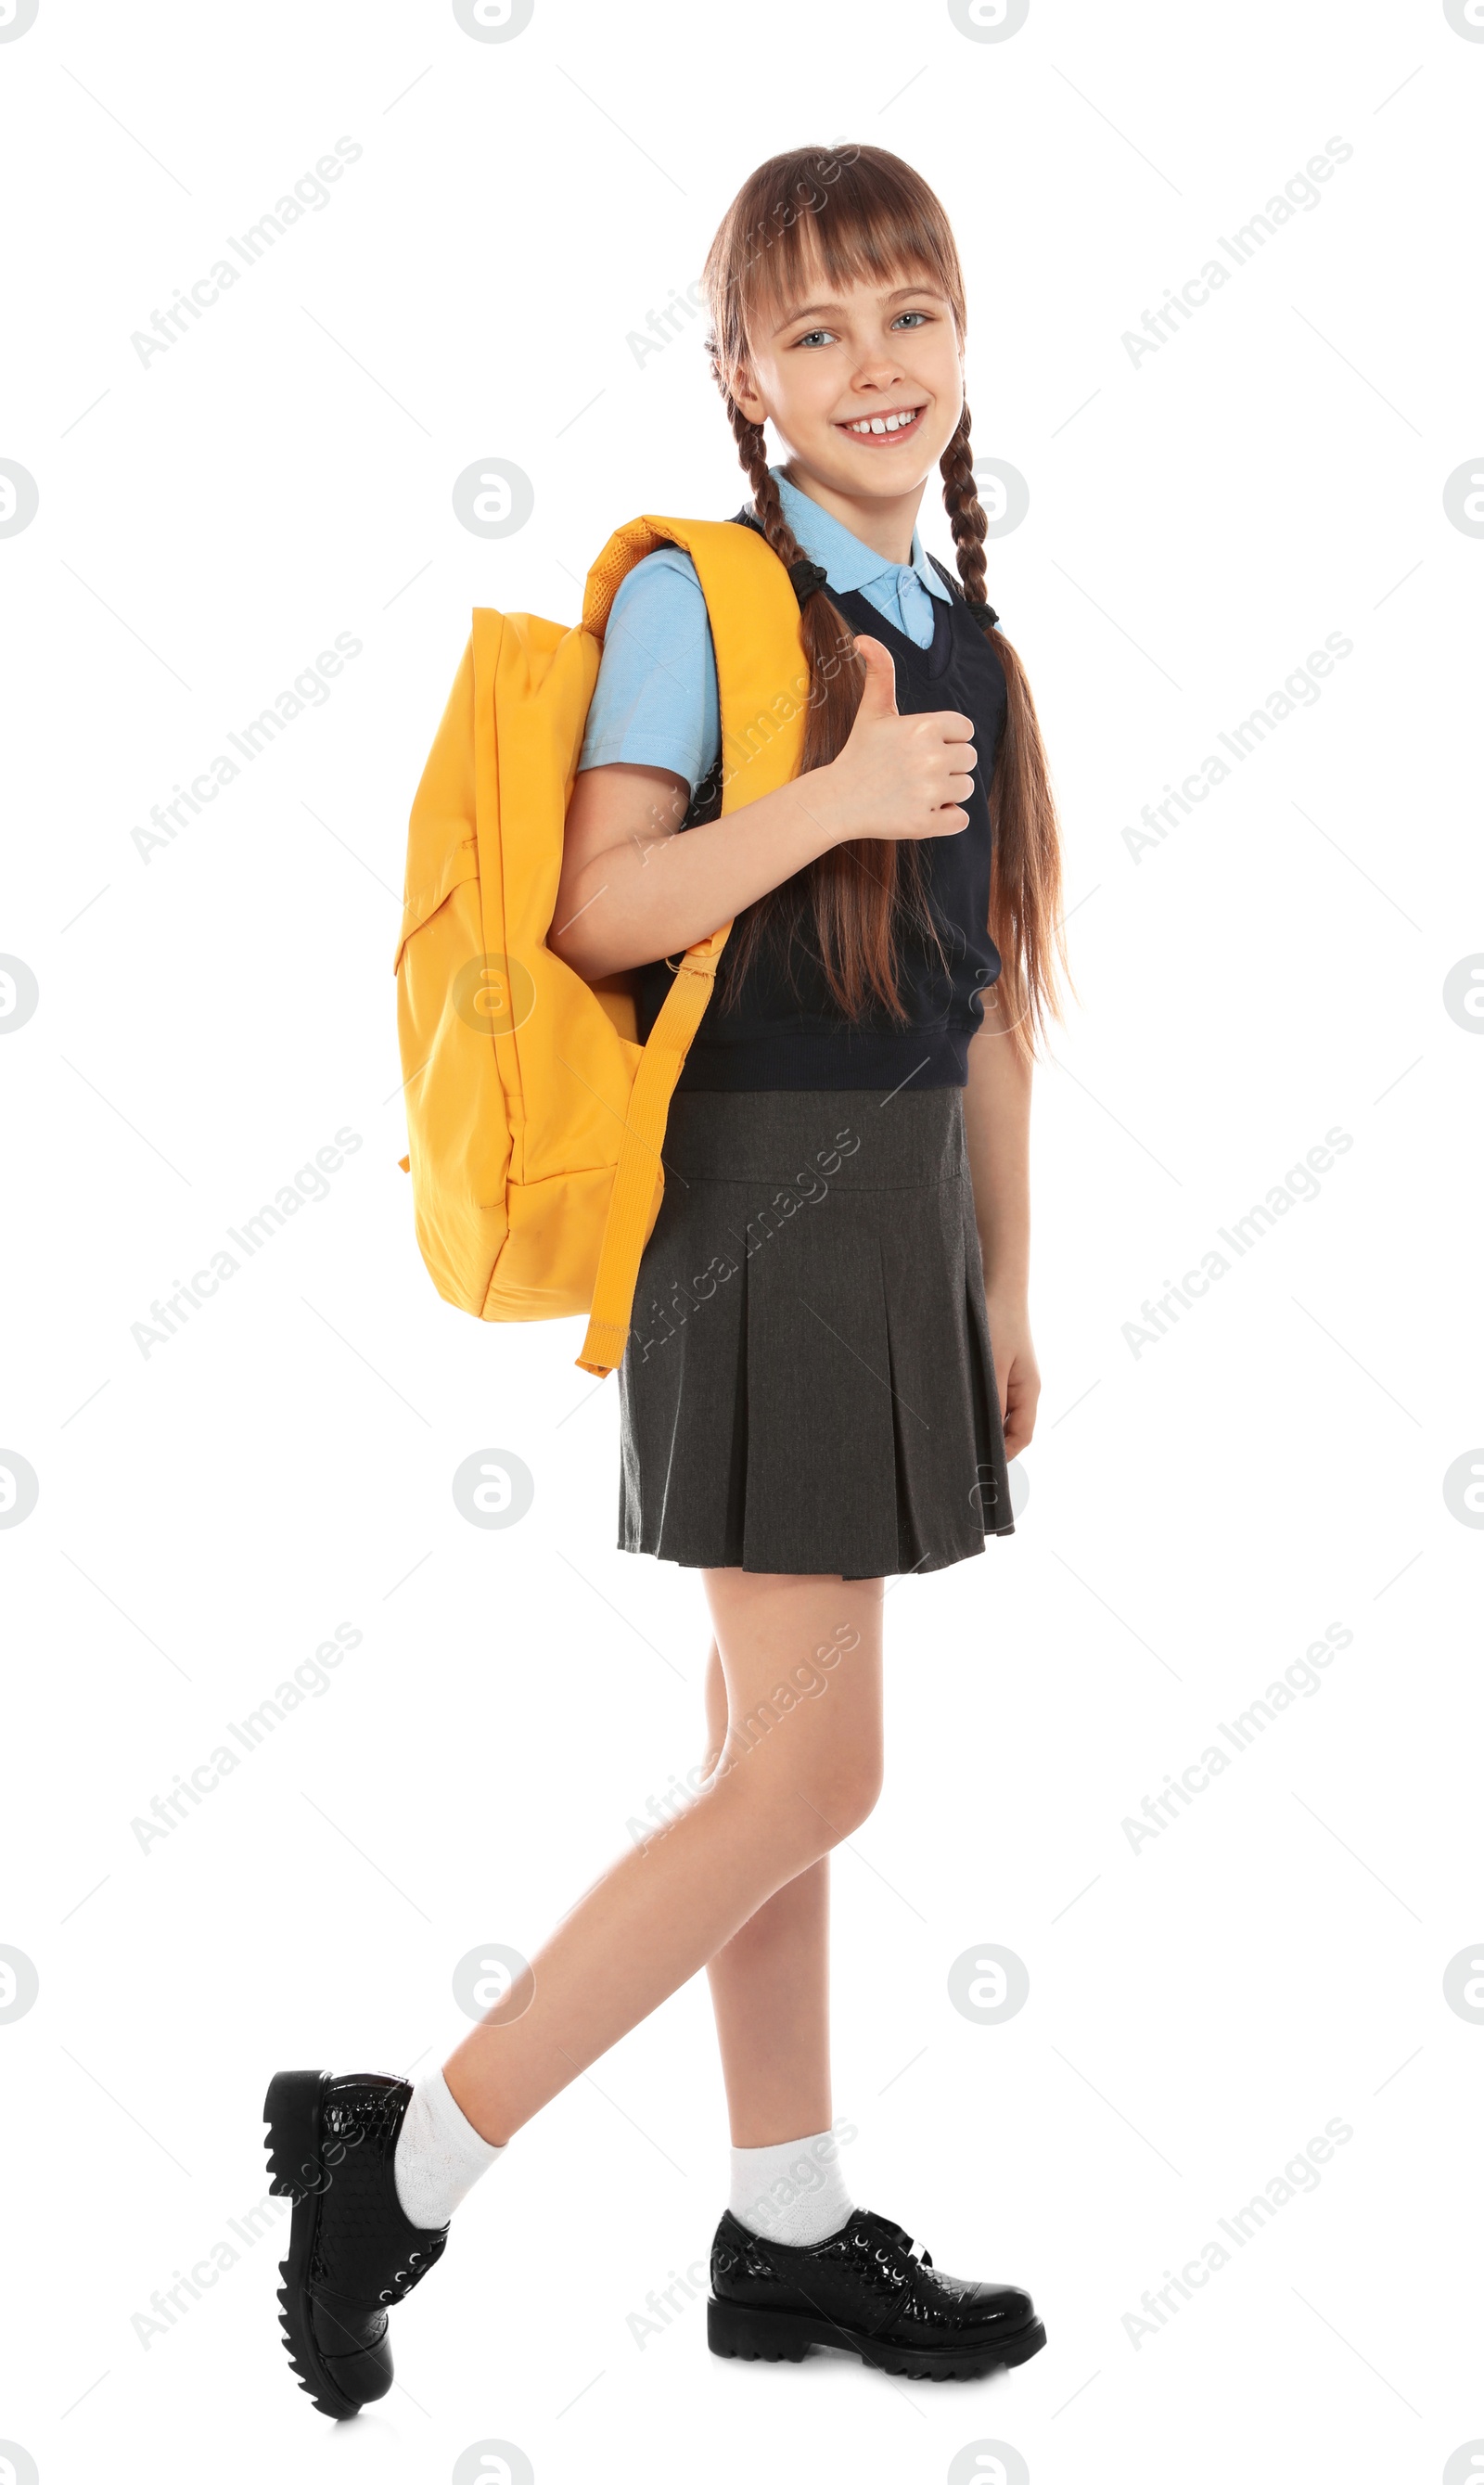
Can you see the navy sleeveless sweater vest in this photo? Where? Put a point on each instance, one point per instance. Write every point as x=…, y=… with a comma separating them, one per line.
x=776, y=1027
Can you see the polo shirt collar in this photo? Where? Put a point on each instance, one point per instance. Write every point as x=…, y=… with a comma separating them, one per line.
x=851, y=564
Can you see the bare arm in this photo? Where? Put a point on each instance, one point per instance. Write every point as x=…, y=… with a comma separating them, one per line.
x=996, y=1125
x=633, y=890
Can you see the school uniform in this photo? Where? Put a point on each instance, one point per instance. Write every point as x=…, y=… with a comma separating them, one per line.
x=809, y=1384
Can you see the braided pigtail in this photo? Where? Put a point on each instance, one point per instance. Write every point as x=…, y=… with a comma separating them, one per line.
x=1024, y=901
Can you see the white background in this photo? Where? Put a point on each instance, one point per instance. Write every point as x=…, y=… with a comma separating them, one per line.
x=1198, y=1511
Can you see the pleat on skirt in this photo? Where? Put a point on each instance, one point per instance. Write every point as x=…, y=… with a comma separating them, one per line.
x=809, y=1384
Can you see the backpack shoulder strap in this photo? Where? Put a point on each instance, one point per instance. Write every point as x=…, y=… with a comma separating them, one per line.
x=762, y=681
x=763, y=673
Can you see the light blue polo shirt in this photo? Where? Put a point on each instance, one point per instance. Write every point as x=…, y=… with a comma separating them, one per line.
x=655, y=704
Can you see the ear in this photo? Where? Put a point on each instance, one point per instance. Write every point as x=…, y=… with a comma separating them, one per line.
x=744, y=394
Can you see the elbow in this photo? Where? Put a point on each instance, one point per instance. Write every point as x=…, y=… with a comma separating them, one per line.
x=562, y=945
x=570, y=938
x=576, y=947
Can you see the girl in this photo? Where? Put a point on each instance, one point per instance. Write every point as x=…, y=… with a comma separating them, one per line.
x=835, y=1398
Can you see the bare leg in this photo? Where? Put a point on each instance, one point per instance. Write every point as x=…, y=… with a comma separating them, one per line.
x=770, y=1990
x=801, y=1658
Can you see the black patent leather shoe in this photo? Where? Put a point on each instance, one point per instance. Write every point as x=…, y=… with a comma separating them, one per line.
x=351, y=2252
x=864, y=2289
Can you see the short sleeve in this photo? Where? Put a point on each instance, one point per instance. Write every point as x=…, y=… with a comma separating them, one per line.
x=656, y=703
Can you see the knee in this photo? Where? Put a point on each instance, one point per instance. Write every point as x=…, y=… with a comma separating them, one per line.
x=835, y=1799
x=802, y=1811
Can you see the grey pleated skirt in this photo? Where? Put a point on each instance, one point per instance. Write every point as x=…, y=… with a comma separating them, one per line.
x=808, y=1384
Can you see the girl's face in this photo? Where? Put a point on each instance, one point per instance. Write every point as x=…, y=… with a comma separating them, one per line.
x=864, y=387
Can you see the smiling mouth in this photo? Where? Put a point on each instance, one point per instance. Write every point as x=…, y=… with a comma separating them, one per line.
x=877, y=429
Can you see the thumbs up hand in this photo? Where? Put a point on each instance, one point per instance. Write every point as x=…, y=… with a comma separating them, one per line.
x=899, y=777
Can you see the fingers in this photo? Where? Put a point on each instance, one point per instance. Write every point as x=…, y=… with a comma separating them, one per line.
x=951, y=732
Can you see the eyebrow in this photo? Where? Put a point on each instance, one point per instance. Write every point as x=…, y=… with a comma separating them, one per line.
x=812, y=309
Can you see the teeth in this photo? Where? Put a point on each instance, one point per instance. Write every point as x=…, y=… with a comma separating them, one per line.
x=887, y=422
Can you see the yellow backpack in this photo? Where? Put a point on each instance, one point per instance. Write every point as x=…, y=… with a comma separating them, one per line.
x=534, y=1118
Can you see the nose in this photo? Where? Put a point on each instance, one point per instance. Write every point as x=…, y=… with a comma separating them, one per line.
x=880, y=370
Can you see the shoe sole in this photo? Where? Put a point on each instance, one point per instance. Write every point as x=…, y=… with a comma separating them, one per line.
x=786, y=2338
x=293, y=2112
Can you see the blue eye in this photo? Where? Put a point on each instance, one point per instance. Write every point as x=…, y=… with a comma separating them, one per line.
x=815, y=337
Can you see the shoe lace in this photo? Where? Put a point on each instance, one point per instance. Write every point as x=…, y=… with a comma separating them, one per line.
x=403, y=2281
x=900, y=2236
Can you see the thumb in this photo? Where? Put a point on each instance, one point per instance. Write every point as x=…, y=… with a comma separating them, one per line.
x=878, y=697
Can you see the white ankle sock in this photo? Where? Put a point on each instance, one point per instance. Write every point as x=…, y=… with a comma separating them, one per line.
x=793, y=2193
x=440, y=2156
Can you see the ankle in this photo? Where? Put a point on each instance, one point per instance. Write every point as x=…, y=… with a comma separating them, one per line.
x=473, y=2108
x=792, y=2192
x=440, y=2156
